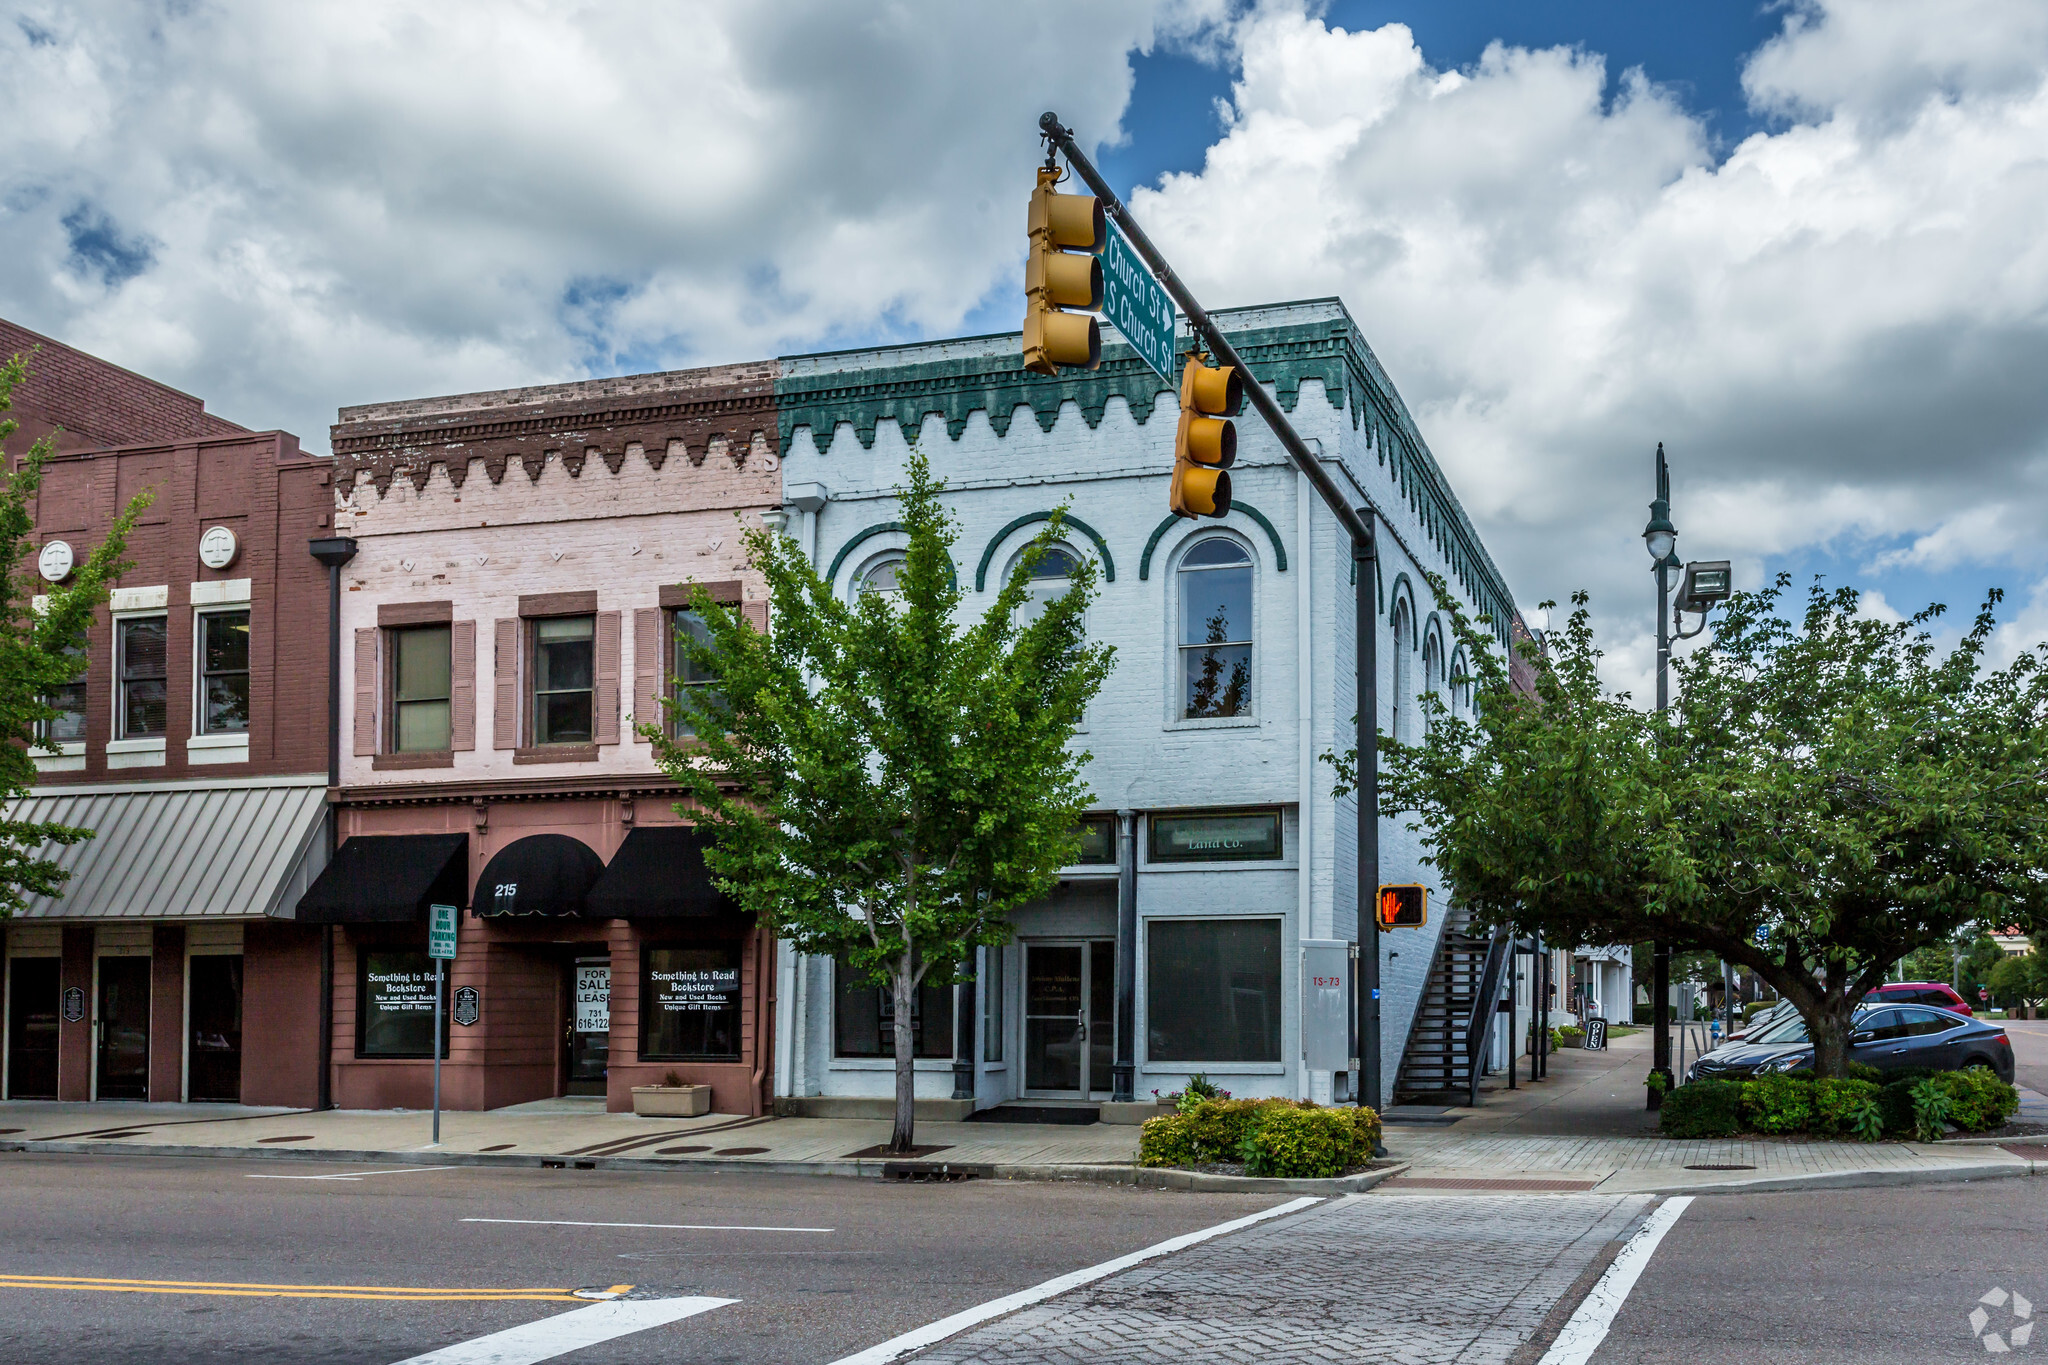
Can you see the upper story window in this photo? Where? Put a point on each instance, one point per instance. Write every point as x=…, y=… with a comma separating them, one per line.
x=1461, y=686
x=224, y=673
x=564, y=679
x=1432, y=673
x=1404, y=671
x=882, y=575
x=1050, y=578
x=68, y=701
x=141, y=650
x=686, y=625
x=422, y=659
x=1215, y=579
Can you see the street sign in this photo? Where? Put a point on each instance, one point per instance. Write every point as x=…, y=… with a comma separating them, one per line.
x=1137, y=305
x=468, y=1005
x=441, y=931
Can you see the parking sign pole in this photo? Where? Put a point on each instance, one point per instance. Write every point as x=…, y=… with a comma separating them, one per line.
x=441, y=926
x=440, y=966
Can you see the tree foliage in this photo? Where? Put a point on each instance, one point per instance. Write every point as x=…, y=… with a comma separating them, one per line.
x=1825, y=797
x=40, y=651
x=887, y=783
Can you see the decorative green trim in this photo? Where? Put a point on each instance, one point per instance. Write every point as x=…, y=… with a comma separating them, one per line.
x=1401, y=580
x=832, y=575
x=1101, y=546
x=1159, y=531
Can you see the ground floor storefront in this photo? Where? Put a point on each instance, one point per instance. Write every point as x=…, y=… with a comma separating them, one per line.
x=159, y=973
x=593, y=955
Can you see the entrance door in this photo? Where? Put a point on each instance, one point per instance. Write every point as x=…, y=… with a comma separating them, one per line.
x=213, y=1058
x=123, y=1029
x=33, y=989
x=588, y=1033
x=1069, y=1017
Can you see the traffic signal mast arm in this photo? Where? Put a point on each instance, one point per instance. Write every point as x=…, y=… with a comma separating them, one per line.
x=1349, y=517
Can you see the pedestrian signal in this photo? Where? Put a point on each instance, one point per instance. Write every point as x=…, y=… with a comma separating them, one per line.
x=1404, y=907
x=1068, y=233
x=1205, y=445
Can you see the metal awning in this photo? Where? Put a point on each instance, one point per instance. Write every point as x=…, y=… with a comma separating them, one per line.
x=542, y=874
x=388, y=879
x=182, y=850
x=659, y=873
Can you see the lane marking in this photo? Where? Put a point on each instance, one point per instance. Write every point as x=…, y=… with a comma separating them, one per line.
x=680, y=1227
x=349, y=1175
x=897, y=1347
x=229, y=1289
x=1588, y=1326
x=566, y=1332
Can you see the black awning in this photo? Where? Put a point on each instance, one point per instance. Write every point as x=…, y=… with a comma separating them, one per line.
x=542, y=874
x=659, y=873
x=388, y=879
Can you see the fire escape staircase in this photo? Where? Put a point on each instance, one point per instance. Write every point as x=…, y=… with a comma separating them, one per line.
x=1458, y=1004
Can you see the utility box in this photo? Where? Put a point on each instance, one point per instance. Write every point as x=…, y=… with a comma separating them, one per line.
x=1326, y=1004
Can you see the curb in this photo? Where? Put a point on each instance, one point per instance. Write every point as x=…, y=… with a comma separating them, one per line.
x=1891, y=1178
x=871, y=1169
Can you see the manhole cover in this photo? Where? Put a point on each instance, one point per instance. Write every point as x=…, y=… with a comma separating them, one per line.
x=1713, y=1166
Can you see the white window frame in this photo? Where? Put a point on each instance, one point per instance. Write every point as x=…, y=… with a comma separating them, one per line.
x=1175, y=678
x=222, y=738
x=120, y=742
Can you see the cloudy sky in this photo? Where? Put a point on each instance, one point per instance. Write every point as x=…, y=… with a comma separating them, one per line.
x=1801, y=243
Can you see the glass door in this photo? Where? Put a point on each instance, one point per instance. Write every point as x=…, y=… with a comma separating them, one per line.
x=213, y=1062
x=32, y=994
x=1069, y=1018
x=123, y=1029
x=588, y=1033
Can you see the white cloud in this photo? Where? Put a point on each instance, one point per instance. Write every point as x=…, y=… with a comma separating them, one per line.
x=340, y=200
x=1839, y=330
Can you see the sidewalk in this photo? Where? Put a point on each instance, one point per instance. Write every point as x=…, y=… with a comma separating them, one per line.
x=1581, y=1129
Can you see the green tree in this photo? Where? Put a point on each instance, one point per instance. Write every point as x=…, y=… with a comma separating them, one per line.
x=1836, y=784
x=2019, y=979
x=39, y=652
x=886, y=783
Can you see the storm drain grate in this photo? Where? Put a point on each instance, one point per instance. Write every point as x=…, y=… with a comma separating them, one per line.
x=1719, y=1166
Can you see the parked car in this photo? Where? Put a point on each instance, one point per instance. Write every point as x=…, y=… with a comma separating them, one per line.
x=1888, y=1037
x=1762, y=1020
x=1919, y=993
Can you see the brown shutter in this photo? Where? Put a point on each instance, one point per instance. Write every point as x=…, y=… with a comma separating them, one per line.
x=756, y=614
x=647, y=663
x=608, y=677
x=505, y=688
x=462, y=685
x=366, y=692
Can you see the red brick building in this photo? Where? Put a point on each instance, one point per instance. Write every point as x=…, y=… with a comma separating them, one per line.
x=194, y=744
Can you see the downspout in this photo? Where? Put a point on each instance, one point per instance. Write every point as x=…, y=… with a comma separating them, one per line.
x=334, y=552
x=1304, y=721
x=1123, y=1069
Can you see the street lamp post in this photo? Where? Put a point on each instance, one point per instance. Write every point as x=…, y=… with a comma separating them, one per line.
x=1660, y=538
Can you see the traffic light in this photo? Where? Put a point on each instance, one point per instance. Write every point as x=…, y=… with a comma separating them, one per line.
x=1404, y=907
x=1068, y=233
x=1205, y=446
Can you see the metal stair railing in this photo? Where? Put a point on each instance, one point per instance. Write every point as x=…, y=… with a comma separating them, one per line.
x=1484, y=1006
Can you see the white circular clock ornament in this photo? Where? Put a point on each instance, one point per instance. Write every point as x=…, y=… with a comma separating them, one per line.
x=218, y=547
x=56, y=560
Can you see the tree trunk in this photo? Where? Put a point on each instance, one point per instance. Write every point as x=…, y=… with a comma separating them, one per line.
x=905, y=992
x=1829, y=1029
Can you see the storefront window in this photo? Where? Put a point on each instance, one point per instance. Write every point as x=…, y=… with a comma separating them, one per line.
x=1225, y=837
x=1212, y=990
x=395, y=1004
x=864, y=1020
x=690, y=1003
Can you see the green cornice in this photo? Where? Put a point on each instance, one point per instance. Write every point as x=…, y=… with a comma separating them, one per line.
x=1068, y=519
x=1236, y=505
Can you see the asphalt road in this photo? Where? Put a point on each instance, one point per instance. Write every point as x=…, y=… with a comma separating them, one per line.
x=1873, y=1277
x=2029, y=1052
x=884, y=1258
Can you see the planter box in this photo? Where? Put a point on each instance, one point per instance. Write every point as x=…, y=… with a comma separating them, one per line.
x=671, y=1101
x=1579, y=1041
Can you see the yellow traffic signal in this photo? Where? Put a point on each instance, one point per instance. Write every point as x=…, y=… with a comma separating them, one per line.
x=1205, y=446
x=1068, y=232
x=1404, y=907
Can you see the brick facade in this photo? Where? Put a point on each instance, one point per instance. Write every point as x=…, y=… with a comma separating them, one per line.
x=88, y=403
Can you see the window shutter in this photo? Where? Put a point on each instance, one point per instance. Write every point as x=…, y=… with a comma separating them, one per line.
x=505, y=688
x=607, y=677
x=756, y=614
x=647, y=661
x=366, y=692
x=462, y=685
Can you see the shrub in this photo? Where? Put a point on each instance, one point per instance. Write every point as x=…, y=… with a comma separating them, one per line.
x=1930, y=1109
x=1165, y=1141
x=1895, y=1106
x=1301, y=1143
x=1644, y=1014
x=1778, y=1104
x=1977, y=1099
x=1846, y=1109
x=1219, y=1127
x=1702, y=1109
x=1568, y=1035
x=1858, y=1071
x=1754, y=1008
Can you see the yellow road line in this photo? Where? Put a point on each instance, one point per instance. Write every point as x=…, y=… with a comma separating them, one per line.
x=384, y=1293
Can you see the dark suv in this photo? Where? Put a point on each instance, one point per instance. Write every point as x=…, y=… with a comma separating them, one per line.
x=1919, y=993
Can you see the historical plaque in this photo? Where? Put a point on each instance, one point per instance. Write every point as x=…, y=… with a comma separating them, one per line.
x=468, y=1005
x=74, y=1004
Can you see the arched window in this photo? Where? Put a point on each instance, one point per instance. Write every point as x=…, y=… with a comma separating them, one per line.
x=882, y=574
x=1432, y=674
x=1404, y=671
x=1215, y=580
x=1461, y=685
x=1049, y=579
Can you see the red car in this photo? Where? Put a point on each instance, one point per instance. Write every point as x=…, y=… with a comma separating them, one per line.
x=1919, y=993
